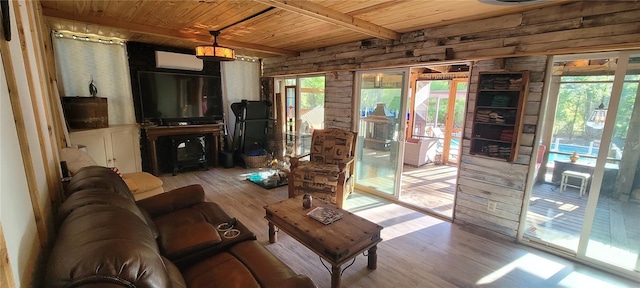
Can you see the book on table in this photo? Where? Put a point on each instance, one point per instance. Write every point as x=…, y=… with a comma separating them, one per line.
x=325, y=215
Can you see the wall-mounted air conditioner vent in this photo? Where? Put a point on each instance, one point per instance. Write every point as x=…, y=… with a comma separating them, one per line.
x=172, y=60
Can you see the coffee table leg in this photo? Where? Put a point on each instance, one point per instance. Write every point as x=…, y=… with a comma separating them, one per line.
x=273, y=237
x=373, y=258
x=335, y=276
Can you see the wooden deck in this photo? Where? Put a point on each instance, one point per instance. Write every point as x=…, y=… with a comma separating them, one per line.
x=431, y=187
x=557, y=217
x=554, y=216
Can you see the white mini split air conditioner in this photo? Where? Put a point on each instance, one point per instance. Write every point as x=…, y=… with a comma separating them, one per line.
x=172, y=60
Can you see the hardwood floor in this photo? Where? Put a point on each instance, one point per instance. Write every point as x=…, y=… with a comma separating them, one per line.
x=417, y=250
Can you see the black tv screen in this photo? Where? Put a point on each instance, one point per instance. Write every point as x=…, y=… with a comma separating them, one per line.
x=170, y=97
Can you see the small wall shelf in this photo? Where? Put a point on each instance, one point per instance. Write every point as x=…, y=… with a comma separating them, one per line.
x=498, y=114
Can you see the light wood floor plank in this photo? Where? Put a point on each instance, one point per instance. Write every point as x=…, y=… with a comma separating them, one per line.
x=417, y=250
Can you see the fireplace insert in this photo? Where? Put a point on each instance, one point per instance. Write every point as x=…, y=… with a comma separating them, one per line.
x=188, y=151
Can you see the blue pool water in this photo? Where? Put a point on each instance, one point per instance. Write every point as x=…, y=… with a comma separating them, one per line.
x=570, y=148
x=582, y=151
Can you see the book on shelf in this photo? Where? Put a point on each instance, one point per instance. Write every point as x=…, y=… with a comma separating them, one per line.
x=325, y=215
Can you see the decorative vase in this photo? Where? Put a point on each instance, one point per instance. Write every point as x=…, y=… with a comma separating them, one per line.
x=574, y=157
x=306, y=201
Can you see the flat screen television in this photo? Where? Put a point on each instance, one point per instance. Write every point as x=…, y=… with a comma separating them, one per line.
x=172, y=98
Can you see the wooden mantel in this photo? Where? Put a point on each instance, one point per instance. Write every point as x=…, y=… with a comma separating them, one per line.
x=154, y=132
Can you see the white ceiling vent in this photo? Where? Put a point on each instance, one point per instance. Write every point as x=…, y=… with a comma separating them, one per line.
x=172, y=60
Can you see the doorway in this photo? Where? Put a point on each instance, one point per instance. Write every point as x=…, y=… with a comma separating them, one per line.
x=430, y=171
x=585, y=200
x=410, y=128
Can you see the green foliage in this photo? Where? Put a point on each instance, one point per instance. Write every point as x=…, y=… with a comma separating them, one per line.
x=576, y=102
x=315, y=98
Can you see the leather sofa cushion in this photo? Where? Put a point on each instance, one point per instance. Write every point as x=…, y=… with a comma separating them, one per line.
x=186, y=239
x=174, y=274
x=207, y=214
x=98, y=177
x=105, y=243
x=99, y=196
x=221, y=270
x=176, y=199
x=268, y=270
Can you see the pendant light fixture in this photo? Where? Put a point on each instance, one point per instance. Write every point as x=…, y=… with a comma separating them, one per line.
x=215, y=52
x=598, y=116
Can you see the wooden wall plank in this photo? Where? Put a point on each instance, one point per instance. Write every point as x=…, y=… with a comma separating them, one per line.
x=577, y=27
x=6, y=273
x=338, y=100
x=23, y=138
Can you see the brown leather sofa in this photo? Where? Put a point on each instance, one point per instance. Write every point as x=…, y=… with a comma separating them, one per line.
x=106, y=239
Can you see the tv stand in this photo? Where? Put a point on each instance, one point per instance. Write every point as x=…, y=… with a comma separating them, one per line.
x=157, y=131
x=183, y=123
x=189, y=121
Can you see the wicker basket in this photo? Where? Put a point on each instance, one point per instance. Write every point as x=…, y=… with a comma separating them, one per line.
x=255, y=161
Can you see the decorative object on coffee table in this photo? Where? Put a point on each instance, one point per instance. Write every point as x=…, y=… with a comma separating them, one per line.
x=325, y=215
x=306, y=201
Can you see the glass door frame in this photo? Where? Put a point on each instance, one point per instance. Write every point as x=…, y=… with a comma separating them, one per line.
x=404, y=100
x=448, y=135
x=549, y=103
x=291, y=119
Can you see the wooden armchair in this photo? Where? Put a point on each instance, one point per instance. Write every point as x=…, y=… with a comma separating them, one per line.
x=329, y=173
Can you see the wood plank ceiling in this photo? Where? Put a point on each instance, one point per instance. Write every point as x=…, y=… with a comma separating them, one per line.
x=264, y=28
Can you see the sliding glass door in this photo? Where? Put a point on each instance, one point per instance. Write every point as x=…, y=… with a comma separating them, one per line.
x=588, y=206
x=304, y=111
x=381, y=122
x=614, y=237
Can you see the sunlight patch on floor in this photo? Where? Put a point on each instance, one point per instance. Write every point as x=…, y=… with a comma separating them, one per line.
x=532, y=264
x=577, y=279
x=568, y=207
x=612, y=255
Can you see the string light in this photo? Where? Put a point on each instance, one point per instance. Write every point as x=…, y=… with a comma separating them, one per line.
x=88, y=38
x=116, y=41
x=245, y=58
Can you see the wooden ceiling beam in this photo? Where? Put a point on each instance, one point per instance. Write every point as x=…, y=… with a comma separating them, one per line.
x=163, y=32
x=335, y=17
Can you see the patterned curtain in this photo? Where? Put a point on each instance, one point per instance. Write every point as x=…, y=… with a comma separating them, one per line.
x=78, y=62
x=240, y=80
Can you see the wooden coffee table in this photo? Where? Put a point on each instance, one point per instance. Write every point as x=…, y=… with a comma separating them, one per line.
x=336, y=243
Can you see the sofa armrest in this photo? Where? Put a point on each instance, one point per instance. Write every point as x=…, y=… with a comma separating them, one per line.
x=173, y=200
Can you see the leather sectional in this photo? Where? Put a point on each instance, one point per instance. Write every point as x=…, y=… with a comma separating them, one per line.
x=175, y=239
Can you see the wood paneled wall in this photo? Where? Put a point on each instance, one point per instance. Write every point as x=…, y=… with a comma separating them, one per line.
x=515, y=42
x=581, y=26
x=338, y=103
x=482, y=179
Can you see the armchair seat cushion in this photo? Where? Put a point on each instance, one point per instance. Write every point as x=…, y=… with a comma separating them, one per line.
x=317, y=176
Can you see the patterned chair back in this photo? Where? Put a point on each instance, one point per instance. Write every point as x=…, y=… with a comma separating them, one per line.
x=332, y=145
